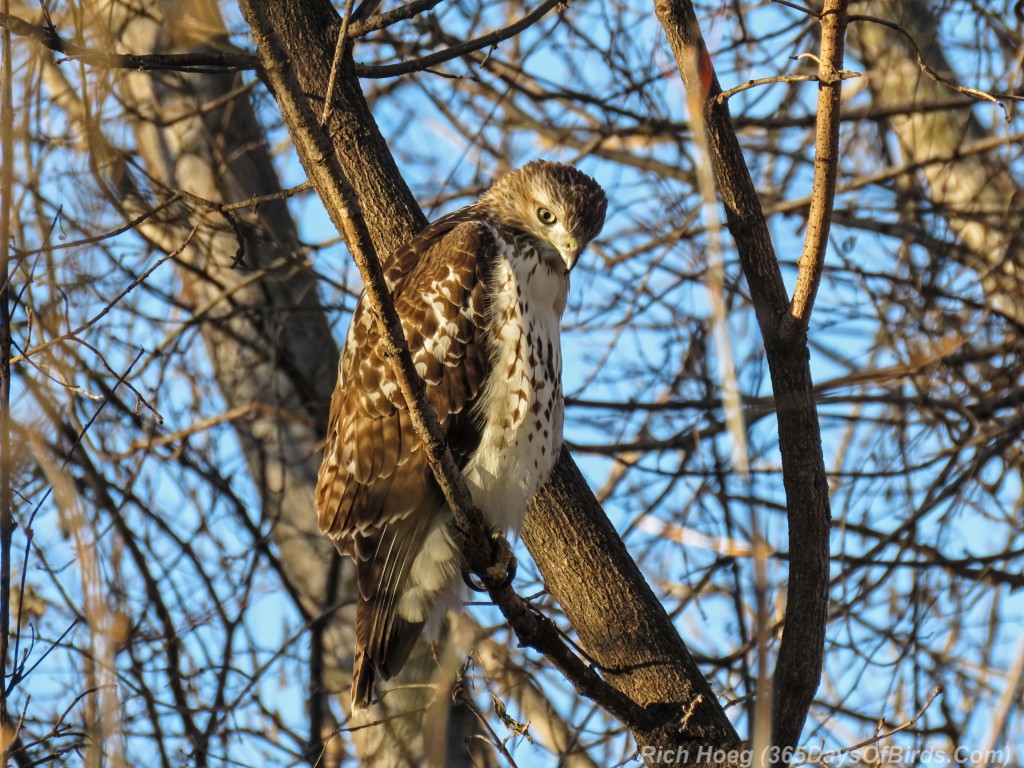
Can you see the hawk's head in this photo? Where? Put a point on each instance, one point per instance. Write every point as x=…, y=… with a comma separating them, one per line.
x=556, y=202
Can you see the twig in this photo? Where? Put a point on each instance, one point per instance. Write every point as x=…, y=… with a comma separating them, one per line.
x=796, y=7
x=724, y=96
x=7, y=523
x=339, y=50
x=382, y=20
x=974, y=93
x=439, y=57
x=182, y=435
x=826, y=166
x=205, y=63
x=876, y=737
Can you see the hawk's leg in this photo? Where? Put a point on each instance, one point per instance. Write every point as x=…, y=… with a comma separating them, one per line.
x=503, y=569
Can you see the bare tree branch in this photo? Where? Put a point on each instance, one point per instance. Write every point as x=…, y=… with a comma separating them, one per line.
x=826, y=162
x=208, y=62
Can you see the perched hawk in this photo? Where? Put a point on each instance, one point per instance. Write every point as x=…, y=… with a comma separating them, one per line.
x=480, y=294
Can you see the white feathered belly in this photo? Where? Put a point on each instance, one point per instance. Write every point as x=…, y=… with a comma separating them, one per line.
x=522, y=412
x=514, y=460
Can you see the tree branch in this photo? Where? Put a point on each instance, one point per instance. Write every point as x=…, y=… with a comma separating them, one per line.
x=381, y=20
x=826, y=165
x=7, y=522
x=440, y=57
x=206, y=62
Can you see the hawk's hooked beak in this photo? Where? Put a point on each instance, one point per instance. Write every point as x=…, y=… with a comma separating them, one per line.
x=570, y=251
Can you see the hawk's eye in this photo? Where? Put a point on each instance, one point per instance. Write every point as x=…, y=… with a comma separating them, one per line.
x=546, y=216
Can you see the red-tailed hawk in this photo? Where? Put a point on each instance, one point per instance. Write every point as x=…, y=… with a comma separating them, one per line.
x=480, y=294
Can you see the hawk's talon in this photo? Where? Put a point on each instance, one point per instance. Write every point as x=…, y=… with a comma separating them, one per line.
x=469, y=577
x=510, y=572
x=502, y=572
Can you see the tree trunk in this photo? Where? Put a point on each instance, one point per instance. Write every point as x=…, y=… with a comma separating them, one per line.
x=270, y=346
x=961, y=171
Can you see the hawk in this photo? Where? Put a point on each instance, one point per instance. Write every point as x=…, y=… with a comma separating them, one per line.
x=480, y=293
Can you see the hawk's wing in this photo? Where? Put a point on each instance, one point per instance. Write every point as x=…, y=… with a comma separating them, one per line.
x=376, y=496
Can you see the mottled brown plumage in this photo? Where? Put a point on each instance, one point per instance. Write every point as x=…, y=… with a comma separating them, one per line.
x=480, y=294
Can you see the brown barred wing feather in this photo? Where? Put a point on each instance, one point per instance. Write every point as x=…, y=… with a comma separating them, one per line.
x=376, y=496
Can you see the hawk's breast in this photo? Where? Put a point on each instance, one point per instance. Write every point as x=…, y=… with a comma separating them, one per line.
x=520, y=407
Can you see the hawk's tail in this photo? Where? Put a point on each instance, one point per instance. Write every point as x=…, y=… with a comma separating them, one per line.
x=383, y=658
